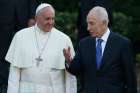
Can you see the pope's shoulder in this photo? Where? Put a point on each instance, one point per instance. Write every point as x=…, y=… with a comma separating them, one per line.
x=24, y=31
x=60, y=34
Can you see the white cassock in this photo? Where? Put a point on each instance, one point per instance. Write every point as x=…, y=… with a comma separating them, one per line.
x=50, y=76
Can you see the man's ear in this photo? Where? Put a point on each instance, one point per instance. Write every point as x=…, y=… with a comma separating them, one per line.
x=105, y=22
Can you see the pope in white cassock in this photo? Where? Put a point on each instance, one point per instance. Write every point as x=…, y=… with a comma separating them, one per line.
x=36, y=57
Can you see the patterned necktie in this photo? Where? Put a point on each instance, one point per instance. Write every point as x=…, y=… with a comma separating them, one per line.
x=99, y=52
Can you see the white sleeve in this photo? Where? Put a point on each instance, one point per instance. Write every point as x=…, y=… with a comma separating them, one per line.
x=70, y=82
x=69, y=44
x=13, y=81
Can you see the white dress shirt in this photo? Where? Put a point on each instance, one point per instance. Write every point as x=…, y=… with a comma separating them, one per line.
x=104, y=38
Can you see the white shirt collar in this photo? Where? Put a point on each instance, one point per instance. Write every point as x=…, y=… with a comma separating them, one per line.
x=105, y=35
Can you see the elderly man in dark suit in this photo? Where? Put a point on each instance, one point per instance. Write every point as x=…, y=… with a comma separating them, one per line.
x=104, y=58
x=15, y=15
x=85, y=6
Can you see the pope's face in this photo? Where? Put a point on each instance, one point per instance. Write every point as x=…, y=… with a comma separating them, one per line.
x=45, y=20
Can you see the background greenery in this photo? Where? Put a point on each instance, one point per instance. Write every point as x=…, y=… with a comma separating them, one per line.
x=126, y=19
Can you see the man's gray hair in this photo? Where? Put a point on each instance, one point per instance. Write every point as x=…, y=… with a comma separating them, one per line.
x=101, y=13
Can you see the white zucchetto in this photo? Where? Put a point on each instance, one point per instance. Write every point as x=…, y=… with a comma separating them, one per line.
x=41, y=6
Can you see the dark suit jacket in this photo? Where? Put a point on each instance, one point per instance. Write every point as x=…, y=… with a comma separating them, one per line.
x=14, y=15
x=116, y=74
x=85, y=7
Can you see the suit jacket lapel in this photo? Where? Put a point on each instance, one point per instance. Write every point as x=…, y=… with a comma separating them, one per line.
x=107, y=52
x=92, y=49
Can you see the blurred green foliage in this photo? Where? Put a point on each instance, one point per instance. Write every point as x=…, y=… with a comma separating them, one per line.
x=65, y=22
x=123, y=24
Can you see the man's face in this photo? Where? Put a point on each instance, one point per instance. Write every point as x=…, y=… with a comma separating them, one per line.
x=94, y=25
x=45, y=20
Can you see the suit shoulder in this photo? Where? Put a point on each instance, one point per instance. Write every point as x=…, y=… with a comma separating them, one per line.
x=121, y=38
x=86, y=39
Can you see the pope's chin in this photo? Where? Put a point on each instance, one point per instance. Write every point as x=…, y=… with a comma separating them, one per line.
x=48, y=29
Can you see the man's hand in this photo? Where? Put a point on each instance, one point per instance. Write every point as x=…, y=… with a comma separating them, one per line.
x=67, y=54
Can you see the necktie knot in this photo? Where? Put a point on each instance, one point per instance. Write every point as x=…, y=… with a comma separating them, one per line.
x=99, y=41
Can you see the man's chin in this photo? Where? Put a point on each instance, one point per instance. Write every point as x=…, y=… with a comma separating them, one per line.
x=92, y=35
